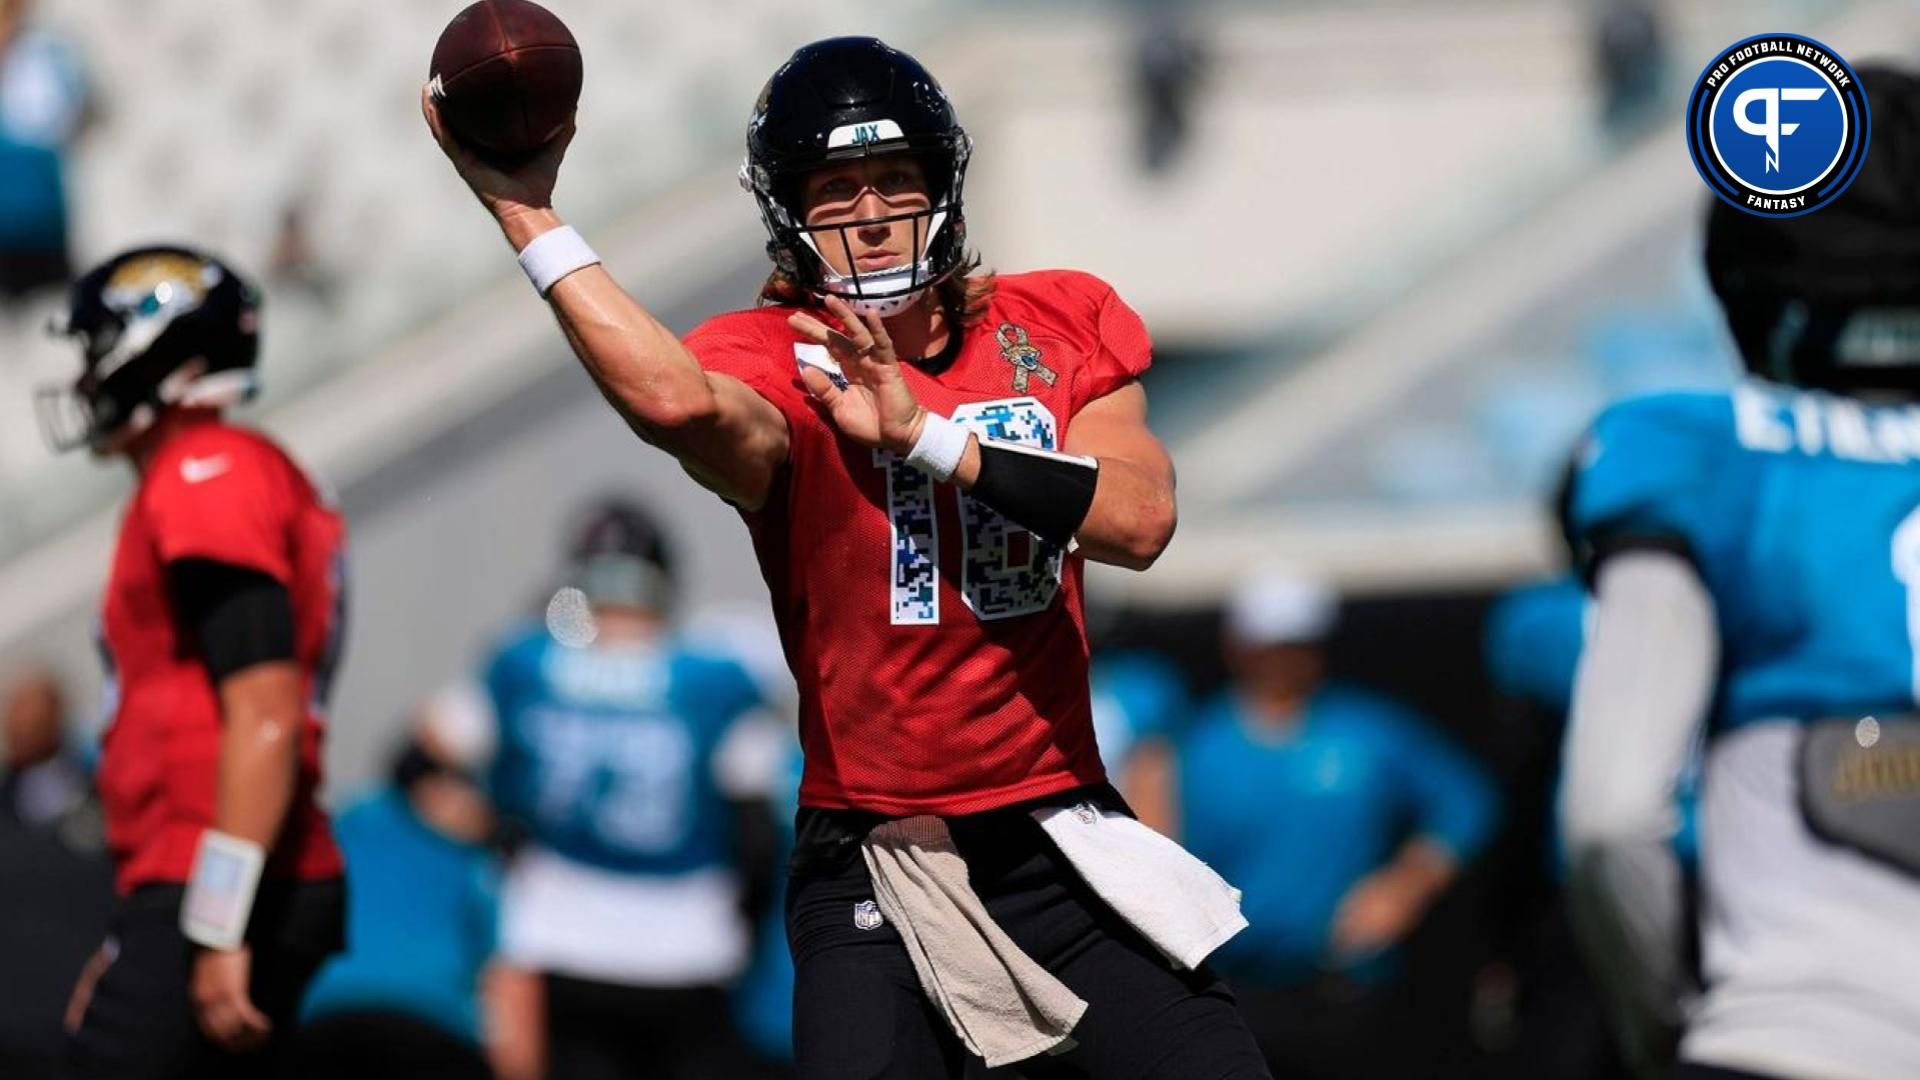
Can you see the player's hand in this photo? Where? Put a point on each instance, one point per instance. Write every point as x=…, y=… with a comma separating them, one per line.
x=1376, y=913
x=220, y=1001
x=877, y=408
x=523, y=188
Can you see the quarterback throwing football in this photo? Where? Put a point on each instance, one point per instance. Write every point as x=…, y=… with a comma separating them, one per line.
x=924, y=455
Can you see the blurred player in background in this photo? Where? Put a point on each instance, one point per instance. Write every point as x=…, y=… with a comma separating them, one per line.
x=58, y=882
x=1343, y=815
x=635, y=771
x=42, y=778
x=925, y=455
x=404, y=999
x=221, y=631
x=1754, y=556
x=1139, y=706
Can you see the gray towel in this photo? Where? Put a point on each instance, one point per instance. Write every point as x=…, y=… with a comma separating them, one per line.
x=1003, y=1005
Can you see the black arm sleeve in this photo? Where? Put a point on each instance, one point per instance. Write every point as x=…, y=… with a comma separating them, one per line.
x=1044, y=492
x=238, y=617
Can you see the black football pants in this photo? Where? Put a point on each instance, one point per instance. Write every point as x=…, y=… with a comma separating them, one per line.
x=139, y=1023
x=859, y=1012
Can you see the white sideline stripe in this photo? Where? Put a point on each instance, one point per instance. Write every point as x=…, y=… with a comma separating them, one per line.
x=1655, y=186
x=426, y=382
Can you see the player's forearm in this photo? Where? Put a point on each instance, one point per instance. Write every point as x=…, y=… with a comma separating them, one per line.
x=1132, y=517
x=1425, y=869
x=1150, y=787
x=640, y=366
x=514, y=1003
x=262, y=713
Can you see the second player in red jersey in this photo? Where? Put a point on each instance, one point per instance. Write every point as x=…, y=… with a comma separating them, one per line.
x=220, y=632
x=217, y=494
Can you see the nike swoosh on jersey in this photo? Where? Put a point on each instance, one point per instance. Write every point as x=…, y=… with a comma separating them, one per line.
x=200, y=470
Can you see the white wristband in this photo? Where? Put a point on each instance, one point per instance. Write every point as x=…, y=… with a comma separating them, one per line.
x=938, y=450
x=219, y=899
x=553, y=255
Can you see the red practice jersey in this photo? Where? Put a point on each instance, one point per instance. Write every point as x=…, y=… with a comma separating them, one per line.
x=228, y=495
x=940, y=650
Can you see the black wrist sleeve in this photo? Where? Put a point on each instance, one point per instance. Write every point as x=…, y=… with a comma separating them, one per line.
x=238, y=617
x=1044, y=492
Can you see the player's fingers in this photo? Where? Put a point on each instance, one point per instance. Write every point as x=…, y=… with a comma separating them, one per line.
x=853, y=330
x=215, y=1022
x=556, y=147
x=820, y=385
x=252, y=1024
x=877, y=333
x=810, y=328
x=438, y=126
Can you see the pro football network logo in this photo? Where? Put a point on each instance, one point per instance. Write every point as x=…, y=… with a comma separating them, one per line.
x=1778, y=125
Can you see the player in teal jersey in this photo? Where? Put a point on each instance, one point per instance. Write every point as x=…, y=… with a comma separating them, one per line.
x=1754, y=557
x=630, y=759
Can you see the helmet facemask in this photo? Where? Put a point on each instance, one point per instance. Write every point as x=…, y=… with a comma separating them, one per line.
x=800, y=250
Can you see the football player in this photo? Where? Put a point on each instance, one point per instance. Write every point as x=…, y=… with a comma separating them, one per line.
x=635, y=767
x=1754, y=557
x=221, y=631
x=925, y=455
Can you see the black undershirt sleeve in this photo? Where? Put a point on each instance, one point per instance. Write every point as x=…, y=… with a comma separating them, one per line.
x=237, y=617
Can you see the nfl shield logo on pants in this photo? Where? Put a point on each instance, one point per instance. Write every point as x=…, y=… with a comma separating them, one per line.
x=866, y=915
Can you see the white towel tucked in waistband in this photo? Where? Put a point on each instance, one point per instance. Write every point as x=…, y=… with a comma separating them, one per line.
x=1176, y=901
x=1004, y=1006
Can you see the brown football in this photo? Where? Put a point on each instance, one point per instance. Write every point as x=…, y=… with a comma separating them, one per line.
x=506, y=76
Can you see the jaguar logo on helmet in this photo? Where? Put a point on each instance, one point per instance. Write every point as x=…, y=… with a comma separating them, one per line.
x=844, y=99
x=158, y=327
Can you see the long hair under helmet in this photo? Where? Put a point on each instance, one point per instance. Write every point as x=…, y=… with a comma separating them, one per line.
x=848, y=98
x=140, y=318
x=1831, y=300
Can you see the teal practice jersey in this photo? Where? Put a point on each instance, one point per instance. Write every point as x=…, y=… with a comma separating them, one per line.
x=606, y=755
x=1801, y=513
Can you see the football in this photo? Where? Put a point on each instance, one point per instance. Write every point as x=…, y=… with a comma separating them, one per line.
x=506, y=76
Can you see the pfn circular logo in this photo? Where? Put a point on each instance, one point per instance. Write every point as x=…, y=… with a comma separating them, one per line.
x=1778, y=125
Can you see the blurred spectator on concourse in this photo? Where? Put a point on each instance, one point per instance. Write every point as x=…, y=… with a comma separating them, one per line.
x=44, y=105
x=1169, y=62
x=1343, y=816
x=1629, y=55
